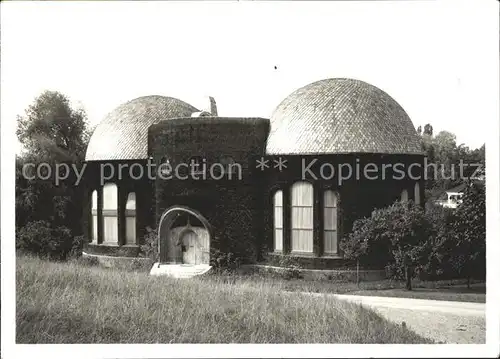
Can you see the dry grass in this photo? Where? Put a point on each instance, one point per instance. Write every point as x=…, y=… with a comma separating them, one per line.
x=71, y=303
x=455, y=290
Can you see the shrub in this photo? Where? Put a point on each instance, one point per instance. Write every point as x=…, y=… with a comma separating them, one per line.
x=149, y=248
x=393, y=237
x=40, y=238
x=468, y=231
x=438, y=244
x=292, y=267
x=77, y=247
x=224, y=262
x=456, y=247
x=436, y=261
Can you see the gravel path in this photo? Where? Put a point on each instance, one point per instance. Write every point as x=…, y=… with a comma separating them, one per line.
x=441, y=327
x=442, y=321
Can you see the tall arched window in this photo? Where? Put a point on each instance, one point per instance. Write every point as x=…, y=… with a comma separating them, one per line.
x=110, y=213
x=330, y=222
x=302, y=217
x=404, y=196
x=278, y=220
x=417, y=193
x=130, y=219
x=94, y=217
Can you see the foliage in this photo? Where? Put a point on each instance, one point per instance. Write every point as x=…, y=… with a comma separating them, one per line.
x=444, y=157
x=149, y=248
x=51, y=132
x=223, y=262
x=469, y=233
x=457, y=246
x=41, y=238
x=438, y=244
x=457, y=241
x=393, y=237
x=437, y=264
x=292, y=267
x=52, y=129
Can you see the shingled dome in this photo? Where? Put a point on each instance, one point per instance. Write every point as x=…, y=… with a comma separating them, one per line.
x=341, y=116
x=123, y=134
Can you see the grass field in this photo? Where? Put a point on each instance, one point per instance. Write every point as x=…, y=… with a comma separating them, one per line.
x=455, y=290
x=72, y=303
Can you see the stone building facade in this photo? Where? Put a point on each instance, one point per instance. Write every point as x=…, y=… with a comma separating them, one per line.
x=257, y=189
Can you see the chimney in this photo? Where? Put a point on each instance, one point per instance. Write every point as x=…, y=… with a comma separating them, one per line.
x=213, y=106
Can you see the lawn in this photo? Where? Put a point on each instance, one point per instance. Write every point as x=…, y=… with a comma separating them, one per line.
x=73, y=303
x=455, y=290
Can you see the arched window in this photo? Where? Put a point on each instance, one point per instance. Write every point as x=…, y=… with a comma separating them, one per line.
x=110, y=213
x=404, y=196
x=302, y=217
x=130, y=219
x=94, y=217
x=330, y=222
x=417, y=193
x=278, y=220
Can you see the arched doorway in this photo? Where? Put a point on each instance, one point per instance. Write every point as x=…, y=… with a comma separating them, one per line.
x=184, y=237
x=192, y=247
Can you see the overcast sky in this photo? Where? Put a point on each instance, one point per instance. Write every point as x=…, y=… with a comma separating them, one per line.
x=431, y=57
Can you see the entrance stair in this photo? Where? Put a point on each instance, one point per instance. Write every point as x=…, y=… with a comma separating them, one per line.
x=179, y=270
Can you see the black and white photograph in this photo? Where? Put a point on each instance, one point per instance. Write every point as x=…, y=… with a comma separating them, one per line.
x=198, y=179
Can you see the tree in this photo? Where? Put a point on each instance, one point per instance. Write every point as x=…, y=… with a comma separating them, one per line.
x=52, y=129
x=394, y=237
x=469, y=233
x=51, y=132
x=428, y=130
x=450, y=164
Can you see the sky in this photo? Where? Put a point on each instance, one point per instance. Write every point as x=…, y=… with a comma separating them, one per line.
x=432, y=57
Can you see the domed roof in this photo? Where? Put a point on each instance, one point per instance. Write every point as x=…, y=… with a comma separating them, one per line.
x=123, y=134
x=341, y=116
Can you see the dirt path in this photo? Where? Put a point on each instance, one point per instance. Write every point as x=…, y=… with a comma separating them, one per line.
x=442, y=321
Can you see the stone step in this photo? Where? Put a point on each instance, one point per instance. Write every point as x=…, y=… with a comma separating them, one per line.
x=179, y=270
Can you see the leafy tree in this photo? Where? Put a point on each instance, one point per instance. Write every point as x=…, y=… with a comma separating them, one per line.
x=394, y=237
x=446, y=157
x=428, y=129
x=438, y=244
x=457, y=246
x=51, y=132
x=438, y=261
x=52, y=129
x=468, y=231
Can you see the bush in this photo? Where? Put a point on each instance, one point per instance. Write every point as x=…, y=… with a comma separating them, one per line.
x=223, y=262
x=77, y=247
x=436, y=262
x=468, y=232
x=150, y=247
x=292, y=267
x=40, y=238
x=436, y=245
x=456, y=247
x=393, y=237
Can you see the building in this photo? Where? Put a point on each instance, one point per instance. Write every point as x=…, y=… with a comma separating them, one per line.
x=259, y=189
x=452, y=197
